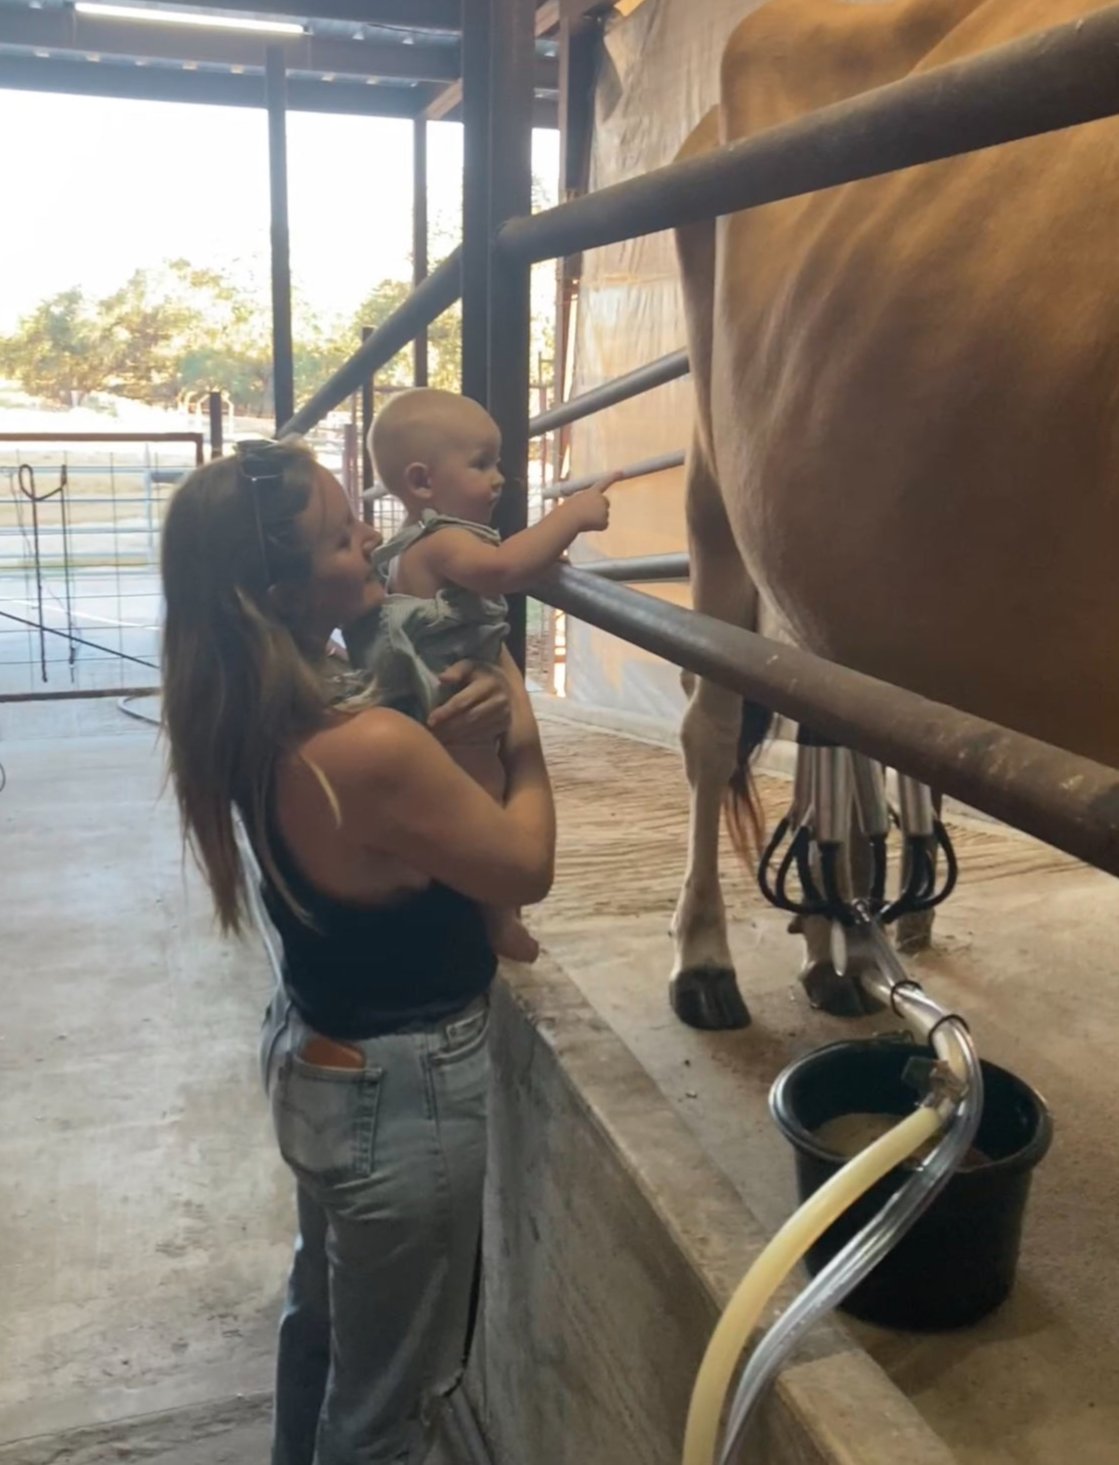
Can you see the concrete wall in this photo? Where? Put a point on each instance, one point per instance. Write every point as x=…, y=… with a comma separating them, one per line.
x=611, y=1245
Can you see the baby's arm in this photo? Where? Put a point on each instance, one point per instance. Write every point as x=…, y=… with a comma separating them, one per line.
x=460, y=558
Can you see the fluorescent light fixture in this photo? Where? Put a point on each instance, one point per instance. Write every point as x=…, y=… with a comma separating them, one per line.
x=186, y=17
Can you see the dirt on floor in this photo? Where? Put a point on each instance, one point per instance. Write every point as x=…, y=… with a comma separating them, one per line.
x=1025, y=950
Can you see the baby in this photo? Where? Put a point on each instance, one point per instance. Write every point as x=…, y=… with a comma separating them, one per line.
x=447, y=573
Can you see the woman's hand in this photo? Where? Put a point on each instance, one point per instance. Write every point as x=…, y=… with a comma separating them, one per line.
x=479, y=710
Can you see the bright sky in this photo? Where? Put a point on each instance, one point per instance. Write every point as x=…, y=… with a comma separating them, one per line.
x=93, y=189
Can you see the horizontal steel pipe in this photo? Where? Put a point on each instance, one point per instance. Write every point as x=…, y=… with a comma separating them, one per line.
x=621, y=389
x=642, y=569
x=71, y=694
x=194, y=438
x=426, y=303
x=634, y=470
x=1056, y=78
x=1065, y=800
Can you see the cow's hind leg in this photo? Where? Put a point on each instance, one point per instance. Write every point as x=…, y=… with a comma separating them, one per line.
x=704, y=990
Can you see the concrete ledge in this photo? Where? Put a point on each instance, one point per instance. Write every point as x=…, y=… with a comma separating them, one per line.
x=612, y=1242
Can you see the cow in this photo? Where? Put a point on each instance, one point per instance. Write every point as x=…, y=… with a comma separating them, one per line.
x=906, y=438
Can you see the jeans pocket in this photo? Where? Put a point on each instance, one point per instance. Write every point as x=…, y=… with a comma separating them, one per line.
x=463, y=1037
x=326, y=1119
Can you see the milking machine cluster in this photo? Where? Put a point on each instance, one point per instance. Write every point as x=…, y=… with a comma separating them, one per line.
x=813, y=840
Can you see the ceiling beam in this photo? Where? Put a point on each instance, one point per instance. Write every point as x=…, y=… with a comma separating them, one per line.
x=412, y=15
x=65, y=30
x=447, y=105
x=211, y=88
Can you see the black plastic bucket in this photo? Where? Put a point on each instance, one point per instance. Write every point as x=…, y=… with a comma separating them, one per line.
x=958, y=1262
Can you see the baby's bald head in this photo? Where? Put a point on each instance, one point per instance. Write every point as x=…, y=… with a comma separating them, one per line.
x=439, y=451
x=417, y=429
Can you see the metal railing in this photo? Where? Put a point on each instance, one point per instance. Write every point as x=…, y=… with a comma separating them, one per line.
x=1054, y=79
x=645, y=469
x=1070, y=802
x=195, y=439
x=633, y=384
x=644, y=569
x=423, y=307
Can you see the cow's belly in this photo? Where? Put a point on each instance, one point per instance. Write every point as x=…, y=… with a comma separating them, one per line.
x=923, y=470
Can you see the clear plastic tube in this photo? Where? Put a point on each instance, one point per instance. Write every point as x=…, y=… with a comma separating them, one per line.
x=843, y=1274
x=777, y=1260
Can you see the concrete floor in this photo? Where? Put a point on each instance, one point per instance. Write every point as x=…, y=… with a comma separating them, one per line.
x=1026, y=950
x=146, y=1219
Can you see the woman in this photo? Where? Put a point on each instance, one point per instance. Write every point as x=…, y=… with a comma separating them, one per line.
x=377, y=853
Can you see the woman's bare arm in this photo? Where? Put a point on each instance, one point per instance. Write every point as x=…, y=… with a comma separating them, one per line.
x=411, y=801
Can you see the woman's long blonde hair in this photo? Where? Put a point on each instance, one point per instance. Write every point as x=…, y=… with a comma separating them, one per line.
x=238, y=689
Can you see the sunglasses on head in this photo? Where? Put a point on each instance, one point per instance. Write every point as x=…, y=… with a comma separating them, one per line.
x=257, y=463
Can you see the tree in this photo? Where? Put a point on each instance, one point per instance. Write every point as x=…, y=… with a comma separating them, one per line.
x=58, y=351
x=144, y=328
x=176, y=329
x=444, y=338
x=167, y=331
x=227, y=343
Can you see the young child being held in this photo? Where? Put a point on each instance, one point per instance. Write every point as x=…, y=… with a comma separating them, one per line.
x=447, y=573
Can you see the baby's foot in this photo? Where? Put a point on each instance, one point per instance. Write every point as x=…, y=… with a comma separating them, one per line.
x=510, y=938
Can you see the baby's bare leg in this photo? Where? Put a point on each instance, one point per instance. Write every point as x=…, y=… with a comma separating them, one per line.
x=508, y=936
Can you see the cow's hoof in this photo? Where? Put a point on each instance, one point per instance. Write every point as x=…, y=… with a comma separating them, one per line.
x=708, y=997
x=839, y=996
x=914, y=932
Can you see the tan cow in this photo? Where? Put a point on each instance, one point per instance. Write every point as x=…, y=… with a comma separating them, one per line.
x=907, y=435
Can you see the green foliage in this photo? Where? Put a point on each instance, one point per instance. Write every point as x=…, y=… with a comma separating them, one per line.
x=444, y=339
x=166, y=332
x=57, y=352
x=177, y=329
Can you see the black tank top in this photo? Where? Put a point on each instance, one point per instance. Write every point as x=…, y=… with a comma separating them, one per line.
x=359, y=971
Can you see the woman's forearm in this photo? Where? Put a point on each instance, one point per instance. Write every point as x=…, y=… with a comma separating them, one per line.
x=522, y=732
x=528, y=789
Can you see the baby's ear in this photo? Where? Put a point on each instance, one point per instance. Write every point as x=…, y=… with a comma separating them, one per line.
x=418, y=480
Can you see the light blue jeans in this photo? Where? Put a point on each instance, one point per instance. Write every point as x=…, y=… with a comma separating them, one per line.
x=389, y=1163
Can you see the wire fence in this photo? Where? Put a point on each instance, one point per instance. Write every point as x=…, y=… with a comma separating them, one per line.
x=80, y=604
x=81, y=609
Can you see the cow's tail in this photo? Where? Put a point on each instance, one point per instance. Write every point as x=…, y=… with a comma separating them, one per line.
x=741, y=804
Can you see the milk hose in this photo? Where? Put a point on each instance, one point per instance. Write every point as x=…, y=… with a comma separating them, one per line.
x=859, y=1257
x=888, y=980
x=796, y=1236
